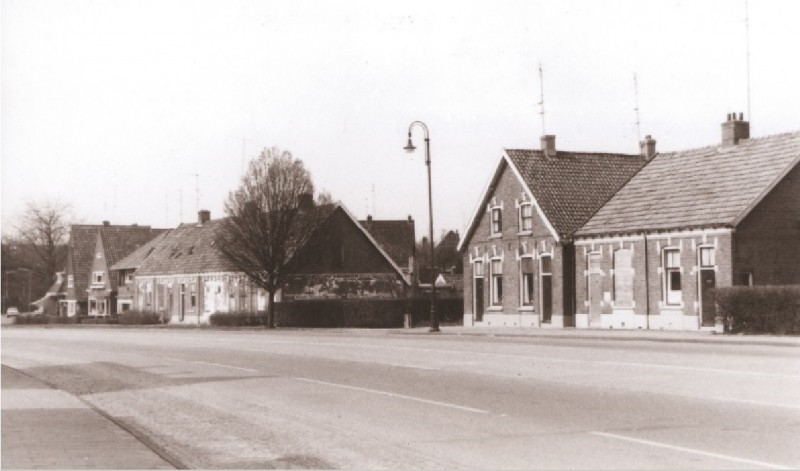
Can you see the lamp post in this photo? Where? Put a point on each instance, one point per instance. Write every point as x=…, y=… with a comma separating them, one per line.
x=410, y=148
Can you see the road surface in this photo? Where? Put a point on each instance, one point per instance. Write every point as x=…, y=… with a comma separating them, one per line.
x=378, y=399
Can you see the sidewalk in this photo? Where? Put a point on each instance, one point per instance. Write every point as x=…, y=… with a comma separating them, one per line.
x=45, y=428
x=608, y=334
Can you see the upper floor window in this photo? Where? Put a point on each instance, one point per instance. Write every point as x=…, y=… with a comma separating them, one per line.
x=98, y=278
x=497, y=220
x=70, y=281
x=525, y=216
x=128, y=278
x=672, y=276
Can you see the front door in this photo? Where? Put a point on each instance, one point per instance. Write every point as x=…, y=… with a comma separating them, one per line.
x=708, y=281
x=478, y=299
x=545, y=270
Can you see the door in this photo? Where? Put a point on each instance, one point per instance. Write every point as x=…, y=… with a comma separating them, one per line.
x=547, y=288
x=708, y=281
x=478, y=299
x=595, y=288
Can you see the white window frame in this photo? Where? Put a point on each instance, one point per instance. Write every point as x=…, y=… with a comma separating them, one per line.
x=98, y=278
x=672, y=297
x=128, y=278
x=493, y=285
x=71, y=282
x=525, y=205
x=499, y=230
x=706, y=249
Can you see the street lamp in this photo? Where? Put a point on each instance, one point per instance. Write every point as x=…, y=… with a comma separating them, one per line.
x=410, y=149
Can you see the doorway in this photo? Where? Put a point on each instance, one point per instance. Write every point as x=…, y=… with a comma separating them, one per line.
x=546, y=272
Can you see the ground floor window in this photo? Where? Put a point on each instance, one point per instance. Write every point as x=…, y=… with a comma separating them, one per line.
x=497, y=282
x=526, y=279
x=672, y=276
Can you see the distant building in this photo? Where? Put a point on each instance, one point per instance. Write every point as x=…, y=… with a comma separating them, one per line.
x=90, y=288
x=688, y=222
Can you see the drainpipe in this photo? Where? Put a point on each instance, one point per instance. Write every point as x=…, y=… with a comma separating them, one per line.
x=647, y=285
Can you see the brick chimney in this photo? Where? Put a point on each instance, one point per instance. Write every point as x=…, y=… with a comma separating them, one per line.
x=203, y=216
x=549, y=145
x=734, y=130
x=647, y=147
x=106, y=223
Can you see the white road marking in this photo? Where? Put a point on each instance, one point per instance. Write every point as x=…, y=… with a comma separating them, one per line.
x=400, y=365
x=250, y=370
x=757, y=403
x=693, y=451
x=400, y=396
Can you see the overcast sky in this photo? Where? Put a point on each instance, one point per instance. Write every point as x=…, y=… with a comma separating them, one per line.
x=115, y=106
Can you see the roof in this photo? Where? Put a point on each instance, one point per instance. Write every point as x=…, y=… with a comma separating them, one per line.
x=135, y=258
x=395, y=237
x=705, y=187
x=189, y=248
x=568, y=188
x=118, y=241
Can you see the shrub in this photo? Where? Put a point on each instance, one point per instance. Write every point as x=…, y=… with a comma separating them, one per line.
x=238, y=319
x=24, y=319
x=62, y=320
x=139, y=318
x=376, y=313
x=760, y=309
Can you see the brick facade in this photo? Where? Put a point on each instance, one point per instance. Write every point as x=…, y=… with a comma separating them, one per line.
x=767, y=242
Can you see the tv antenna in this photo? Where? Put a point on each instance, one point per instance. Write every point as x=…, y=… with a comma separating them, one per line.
x=636, y=109
x=541, y=97
x=196, y=191
x=747, y=38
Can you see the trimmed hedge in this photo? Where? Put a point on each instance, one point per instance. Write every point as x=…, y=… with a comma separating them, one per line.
x=374, y=313
x=760, y=309
x=139, y=318
x=238, y=319
x=23, y=319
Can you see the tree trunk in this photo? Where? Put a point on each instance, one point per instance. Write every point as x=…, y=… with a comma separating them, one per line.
x=271, y=309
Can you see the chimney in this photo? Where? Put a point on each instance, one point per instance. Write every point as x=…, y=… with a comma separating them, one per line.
x=549, y=145
x=305, y=201
x=203, y=216
x=647, y=147
x=106, y=223
x=369, y=221
x=734, y=130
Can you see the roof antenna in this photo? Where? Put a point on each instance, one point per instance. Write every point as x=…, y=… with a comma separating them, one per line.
x=747, y=38
x=373, y=200
x=196, y=191
x=541, y=97
x=636, y=97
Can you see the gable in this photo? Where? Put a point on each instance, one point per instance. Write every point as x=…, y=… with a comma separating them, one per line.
x=99, y=262
x=339, y=245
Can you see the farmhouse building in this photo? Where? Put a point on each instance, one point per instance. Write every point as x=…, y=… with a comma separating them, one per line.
x=690, y=221
x=518, y=251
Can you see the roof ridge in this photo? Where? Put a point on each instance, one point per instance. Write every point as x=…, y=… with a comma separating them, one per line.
x=577, y=152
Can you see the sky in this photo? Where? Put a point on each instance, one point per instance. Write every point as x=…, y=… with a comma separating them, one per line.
x=144, y=111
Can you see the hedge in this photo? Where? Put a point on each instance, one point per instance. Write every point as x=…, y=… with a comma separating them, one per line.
x=760, y=309
x=238, y=319
x=24, y=319
x=139, y=318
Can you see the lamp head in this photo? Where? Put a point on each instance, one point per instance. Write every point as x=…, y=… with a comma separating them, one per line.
x=410, y=146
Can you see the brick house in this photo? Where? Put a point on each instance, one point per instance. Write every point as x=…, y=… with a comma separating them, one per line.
x=689, y=221
x=91, y=287
x=518, y=253
x=184, y=277
x=126, y=268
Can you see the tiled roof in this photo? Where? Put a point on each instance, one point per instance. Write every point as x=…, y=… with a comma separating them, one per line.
x=396, y=238
x=187, y=249
x=572, y=186
x=118, y=241
x=705, y=187
x=135, y=258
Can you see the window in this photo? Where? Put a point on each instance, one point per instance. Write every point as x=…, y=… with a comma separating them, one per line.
x=497, y=220
x=672, y=273
x=478, y=269
x=623, y=278
x=497, y=282
x=193, y=301
x=746, y=279
x=70, y=281
x=98, y=278
x=182, y=293
x=526, y=268
x=526, y=217
x=707, y=257
x=128, y=278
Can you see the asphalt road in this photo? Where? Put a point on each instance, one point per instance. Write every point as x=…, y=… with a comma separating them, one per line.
x=375, y=399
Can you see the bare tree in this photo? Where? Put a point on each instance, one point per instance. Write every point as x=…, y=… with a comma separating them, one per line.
x=44, y=227
x=265, y=223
